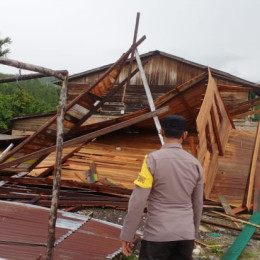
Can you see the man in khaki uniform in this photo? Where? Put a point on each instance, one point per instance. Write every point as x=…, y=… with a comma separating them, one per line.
x=171, y=185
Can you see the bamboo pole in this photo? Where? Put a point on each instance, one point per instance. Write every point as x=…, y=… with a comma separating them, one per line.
x=57, y=171
x=236, y=219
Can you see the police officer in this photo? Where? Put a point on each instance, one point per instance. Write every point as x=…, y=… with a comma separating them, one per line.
x=170, y=184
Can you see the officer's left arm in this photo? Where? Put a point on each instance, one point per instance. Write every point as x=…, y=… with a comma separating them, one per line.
x=197, y=201
x=137, y=203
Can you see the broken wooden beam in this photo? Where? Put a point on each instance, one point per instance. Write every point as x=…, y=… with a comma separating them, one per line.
x=22, y=77
x=70, y=184
x=26, y=66
x=226, y=207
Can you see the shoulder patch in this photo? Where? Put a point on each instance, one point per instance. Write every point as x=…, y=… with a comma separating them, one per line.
x=145, y=178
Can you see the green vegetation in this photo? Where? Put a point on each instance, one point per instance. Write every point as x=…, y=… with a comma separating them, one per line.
x=252, y=95
x=26, y=97
x=131, y=257
x=215, y=248
x=3, y=43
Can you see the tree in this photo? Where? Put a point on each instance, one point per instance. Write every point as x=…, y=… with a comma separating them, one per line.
x=3, y=43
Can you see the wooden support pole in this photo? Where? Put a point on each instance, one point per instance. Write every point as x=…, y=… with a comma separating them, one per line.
x=149, y=95
x=57, y=171
x=61, y=74
x=22, y=77
x=132, y=57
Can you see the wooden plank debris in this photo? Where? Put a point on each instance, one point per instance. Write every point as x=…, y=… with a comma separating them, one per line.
x=84, y=138
x=227, y=207
x=256, y=235
x=68, y=197
x=236, y=219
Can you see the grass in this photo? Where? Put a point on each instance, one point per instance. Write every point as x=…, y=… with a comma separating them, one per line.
x=131, y=257
x=249, y=255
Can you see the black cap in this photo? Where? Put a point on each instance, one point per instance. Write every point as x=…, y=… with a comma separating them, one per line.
x=174, y=123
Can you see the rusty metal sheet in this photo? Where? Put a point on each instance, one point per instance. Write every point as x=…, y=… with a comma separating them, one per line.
x=24, y=234
x=94, y=240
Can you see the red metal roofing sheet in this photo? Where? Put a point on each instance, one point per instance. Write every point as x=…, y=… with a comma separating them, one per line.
x=93, y=240
x=24, y=232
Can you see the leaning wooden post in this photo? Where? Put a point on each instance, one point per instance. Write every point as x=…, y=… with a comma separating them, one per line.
x=253, y=169
x=131, y=59
x=57, y=170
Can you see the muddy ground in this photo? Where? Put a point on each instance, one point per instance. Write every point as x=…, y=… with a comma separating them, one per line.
x=217, y=239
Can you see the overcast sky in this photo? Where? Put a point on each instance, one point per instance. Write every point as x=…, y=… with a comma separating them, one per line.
x=85, y=34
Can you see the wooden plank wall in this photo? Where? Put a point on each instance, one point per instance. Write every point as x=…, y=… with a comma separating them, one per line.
x=234, y=167
x=27, y=126
x=213, y=126
x=163, y=74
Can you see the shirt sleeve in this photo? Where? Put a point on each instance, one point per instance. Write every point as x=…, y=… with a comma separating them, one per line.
x=137, y=202
x=197, y=201
x=136, y=207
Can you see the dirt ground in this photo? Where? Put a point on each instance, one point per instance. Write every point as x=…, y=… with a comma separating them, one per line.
x=217, y=239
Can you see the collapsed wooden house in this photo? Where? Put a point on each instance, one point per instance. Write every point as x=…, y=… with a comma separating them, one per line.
x=164, y=72
x=109, y=128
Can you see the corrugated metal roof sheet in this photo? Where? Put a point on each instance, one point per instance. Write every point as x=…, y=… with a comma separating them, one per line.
x=24, y=232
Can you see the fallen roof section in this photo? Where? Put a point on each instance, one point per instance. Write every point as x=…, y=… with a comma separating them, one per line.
x=76, y=112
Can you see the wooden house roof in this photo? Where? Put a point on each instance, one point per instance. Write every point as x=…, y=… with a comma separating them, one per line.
x=215, y=72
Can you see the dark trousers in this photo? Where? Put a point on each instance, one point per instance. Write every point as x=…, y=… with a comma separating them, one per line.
x=173, y=250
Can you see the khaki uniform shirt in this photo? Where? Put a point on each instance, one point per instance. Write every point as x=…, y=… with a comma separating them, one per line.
x=173, y=195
